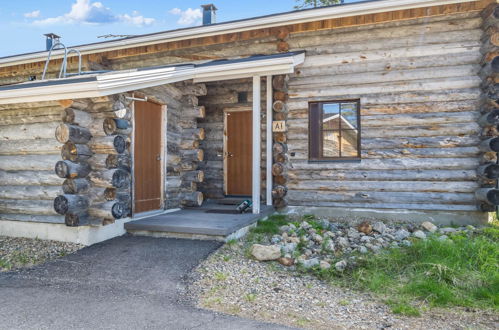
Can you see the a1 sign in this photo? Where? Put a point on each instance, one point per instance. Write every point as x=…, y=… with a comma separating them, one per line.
x=278, y=126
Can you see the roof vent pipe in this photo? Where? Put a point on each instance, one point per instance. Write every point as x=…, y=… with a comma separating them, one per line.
x=52, y=39
x=209, y=14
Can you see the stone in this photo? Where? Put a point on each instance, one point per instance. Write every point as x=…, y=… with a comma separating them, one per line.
x=284, y=236
x=366, y=239
x=275, y=239
x=428, y=226
x=294, y=240
x=353, y=233
x=284, y=229
x=305, y=225
x=410, y=227
x=470, y=227
x=448, y=230
x=324, y=264
x=329, y=234
x=362, y=249
x=324, y=224
x=285, y=261
x=401, y=234
x=310, y=263
x=312, y=231
x=329, y=246
x=292, y=226
x=419, y=234
x=443, y=238
x=406, y=243
x=317, y=238
x=334, y=227
x=289, y=247
x=265, y=252
x=365, y=227
x=343, y=242
x=307, y=253
x=379, y=227
x=341, y=265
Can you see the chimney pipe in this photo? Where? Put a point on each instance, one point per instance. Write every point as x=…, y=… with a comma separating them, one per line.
x=209, y=14
x=51, y=40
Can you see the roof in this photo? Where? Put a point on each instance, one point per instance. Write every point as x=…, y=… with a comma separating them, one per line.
x=113, y=82
x=293, y=17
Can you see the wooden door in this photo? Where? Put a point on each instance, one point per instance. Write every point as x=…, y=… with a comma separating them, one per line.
x=238, y=153
x=147, y=156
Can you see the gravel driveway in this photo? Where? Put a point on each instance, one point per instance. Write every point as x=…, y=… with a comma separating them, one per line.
x=124, y=283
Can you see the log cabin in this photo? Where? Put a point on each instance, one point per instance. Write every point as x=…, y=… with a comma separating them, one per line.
x=382, y=109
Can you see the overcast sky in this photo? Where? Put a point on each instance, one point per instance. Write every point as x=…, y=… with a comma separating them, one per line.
x=23, y=22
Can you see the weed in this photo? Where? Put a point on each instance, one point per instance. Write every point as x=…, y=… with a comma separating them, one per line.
x=270, y=226
x=226, y=258
x=403, y=308
x=219, y=276
x=5, y=265
x=344, y=302
x=231, y=242
x=250, y=297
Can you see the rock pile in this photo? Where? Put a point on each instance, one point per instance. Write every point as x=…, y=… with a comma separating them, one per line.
x=325, y=244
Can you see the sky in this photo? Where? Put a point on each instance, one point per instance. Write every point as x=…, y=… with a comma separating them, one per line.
x=23, y=22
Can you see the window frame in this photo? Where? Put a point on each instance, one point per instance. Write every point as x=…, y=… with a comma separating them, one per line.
x=319, y=126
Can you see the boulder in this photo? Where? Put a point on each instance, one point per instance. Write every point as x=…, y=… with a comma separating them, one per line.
x=310, y=262
x=324, y=264
x=428, y=226
x=379, y=227
x=286, y=261
x=289, y=248
x=343, y=242
x=265, y=252
x=419, y=234
x=365, y=227
x=340, y=265
x=401, y=234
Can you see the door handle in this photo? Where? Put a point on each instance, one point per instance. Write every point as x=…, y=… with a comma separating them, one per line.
x=158, y=157
x=230, y=154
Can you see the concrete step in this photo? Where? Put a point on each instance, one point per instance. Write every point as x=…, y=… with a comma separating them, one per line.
x=206, y=223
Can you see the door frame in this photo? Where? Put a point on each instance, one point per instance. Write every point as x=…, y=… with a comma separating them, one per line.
x=164, y=153
x=226, y=112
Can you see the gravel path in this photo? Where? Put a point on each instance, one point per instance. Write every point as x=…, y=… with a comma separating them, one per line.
x=25, y=252
x=229, y=282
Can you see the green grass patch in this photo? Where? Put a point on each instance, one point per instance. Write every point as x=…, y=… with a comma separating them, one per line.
x=462, y=271
x=271, y=225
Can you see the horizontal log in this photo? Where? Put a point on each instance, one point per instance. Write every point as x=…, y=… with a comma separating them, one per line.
x=26, y=116
x=76, y=134
x=113, y=126
x=279, y=106
x=278, y=169
x=279, y=192
x=75, y=186
x=319, y=197
x=35, y=207
x=107, y=210
x=29, y=178
x=195, y=112
x=27, y=147
x=29, y=192
x=192, y=155
x=488, y=195
x=489, y=119
x=76, y=117
x=79, y=219
x=279, y=148
x=115, y=144
x=117, y=178
x=490, y=145
x=75, y=152
x=32, y=218
x=392, y=164
x=189, y=144
x=384, y=175
x=193, y=134
x=118, y=161
x=195, y=176
x=29, y=163
x=191, y=198
x=488, y=171
x=27, y=131
x=70, y=170
x=70, y=203
x=280, y=179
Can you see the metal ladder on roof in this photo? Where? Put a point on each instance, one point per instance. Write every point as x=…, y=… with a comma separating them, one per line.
x=62, y=72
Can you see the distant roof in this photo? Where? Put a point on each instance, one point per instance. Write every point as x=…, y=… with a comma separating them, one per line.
x=292, y=17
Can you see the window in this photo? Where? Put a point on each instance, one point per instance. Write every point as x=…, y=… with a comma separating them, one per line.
x=334, y=130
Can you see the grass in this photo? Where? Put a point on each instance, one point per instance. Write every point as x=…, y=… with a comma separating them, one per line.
x=462, y=271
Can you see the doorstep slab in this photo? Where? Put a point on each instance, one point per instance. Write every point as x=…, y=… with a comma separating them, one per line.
x=197, y=222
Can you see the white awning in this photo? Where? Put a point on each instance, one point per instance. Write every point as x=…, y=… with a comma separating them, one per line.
x=115, y=82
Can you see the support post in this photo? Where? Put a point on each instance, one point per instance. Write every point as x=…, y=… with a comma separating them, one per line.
x=256, y=145
x=268, y=172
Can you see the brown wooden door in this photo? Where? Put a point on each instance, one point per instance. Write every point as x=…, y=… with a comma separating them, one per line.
x=238, y=151
x=147, y=156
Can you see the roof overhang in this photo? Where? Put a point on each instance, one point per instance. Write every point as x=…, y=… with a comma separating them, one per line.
x=130, y=80
x=294, y=17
